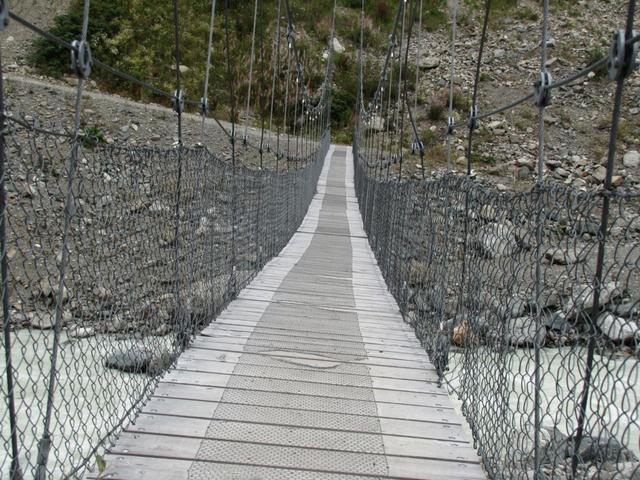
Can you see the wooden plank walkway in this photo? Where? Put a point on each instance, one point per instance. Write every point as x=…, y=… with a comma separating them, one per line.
x=310, y=374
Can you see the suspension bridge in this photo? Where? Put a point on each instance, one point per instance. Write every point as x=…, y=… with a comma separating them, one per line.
x=284, y=307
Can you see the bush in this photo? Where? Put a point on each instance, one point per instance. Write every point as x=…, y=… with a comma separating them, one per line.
x=435, y=112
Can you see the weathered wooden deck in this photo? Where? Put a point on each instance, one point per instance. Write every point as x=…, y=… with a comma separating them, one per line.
x=310, y=374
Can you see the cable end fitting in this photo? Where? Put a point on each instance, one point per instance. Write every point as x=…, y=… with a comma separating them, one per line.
x=81, y=58
x=178, y=101
x=542, y=90
x=623, y=55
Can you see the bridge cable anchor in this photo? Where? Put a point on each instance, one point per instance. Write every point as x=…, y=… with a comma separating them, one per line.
x=450, y=125
x=542, y=90
x=417, y=146
x=623, y=55
x=81, y=58
x=178, y=101
x=204, y=106
x=473, y=117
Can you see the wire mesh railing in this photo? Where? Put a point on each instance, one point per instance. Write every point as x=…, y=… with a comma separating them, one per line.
x=115, y=255
x=527, y=303
x=461, y=260
x=160, y=240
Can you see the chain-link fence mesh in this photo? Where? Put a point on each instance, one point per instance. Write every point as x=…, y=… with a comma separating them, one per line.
x=505, y=292
x=158, y=240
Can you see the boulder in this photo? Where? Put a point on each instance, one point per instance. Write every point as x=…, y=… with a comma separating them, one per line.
x=428, y=63
x=132, y=360
x=337, y=46
x=522, y=332
x=559, y=256
x=581, y=297
x=496, y=239
x=631, y=159
x=616, y=328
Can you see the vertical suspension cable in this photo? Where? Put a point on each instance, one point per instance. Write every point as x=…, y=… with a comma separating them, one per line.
x=276, y=70
x=232, y=274
x=182, y=336
x=476, y=84
x=178, y=96
x=262, y=89
x=452, y=62
x=415, y=100
x=205, y=95
x=44, y=444
x=253, y=45
x=286, y=90
x=359, y=93
x=623, y=73
x=403, y=99
x=400, y=71
x=542, y=103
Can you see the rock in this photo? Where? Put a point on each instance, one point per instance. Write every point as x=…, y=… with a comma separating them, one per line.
x=47, y=320
x=523, y=173
x=498, y=53
x=526, y=162
x=617, y=180
x=550, y=119
x=496, y=239
x=49, y=289
x=631, y=159
x=522, y=332
x=557, y=321
x=561, y=173
x=602, y=449
x=599, y=174
x=581, y=297
x=515, y=307
x=559, y=256
x=337, y=46
x=579, y=183
x=183, y=68
x=460, y=334
x=626, y=309
x=82, y=332
x=133, y=360
x=616, y=328
x=428, y=63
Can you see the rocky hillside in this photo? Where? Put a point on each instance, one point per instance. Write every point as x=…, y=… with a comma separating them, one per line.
x=578, y=120
x=506, y=145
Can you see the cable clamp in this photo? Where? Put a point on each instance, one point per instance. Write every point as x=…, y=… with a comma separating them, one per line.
x=178, y=101
x=542, y=90
x=473, y=117
x=81, y=58
x=450, y=125
x=4, y=14
x=622, y=56
x=417, y=146
x=290, y=37
x=204, y=106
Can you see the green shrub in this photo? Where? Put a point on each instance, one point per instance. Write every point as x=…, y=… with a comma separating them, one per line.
x=435, y=112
